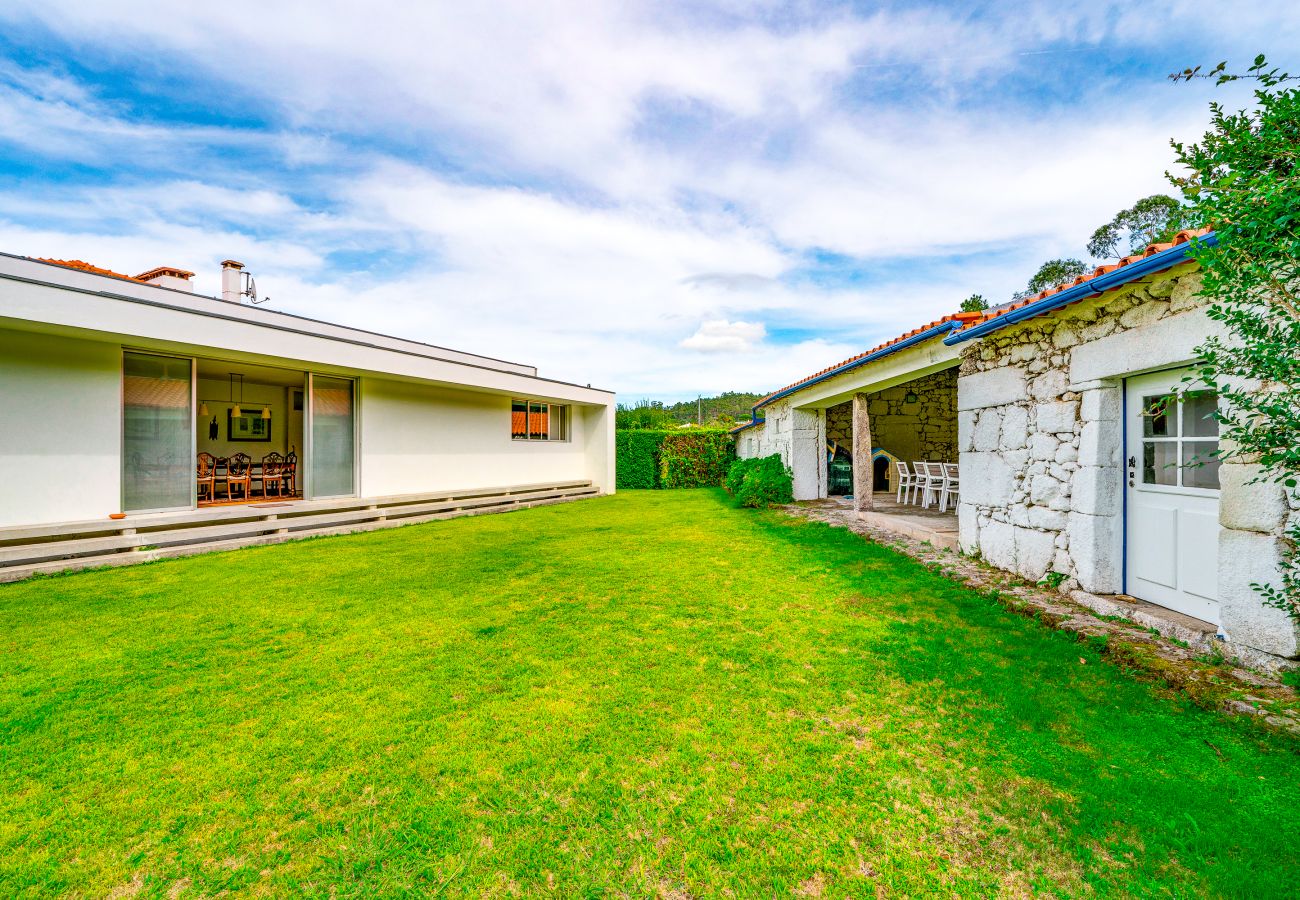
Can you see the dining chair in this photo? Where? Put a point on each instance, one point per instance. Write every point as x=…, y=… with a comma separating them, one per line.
x=239, y=473
x=289, y=473
x=906, y=481
x=932, y=484
x=920, y=482
x=220, y=471
x=206, y=476
x=951, y=488
x=270, y=476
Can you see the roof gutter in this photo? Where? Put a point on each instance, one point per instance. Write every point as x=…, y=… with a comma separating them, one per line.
x=850, y=366
x=1093, y=287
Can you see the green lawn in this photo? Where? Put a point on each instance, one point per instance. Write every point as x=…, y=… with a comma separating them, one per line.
x=653, y=694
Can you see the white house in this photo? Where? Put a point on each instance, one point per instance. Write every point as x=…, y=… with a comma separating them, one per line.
x=1068, y=462
x=112, y=388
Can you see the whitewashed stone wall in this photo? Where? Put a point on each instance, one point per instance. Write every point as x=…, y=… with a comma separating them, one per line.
x=1040, y=430
x=798, y=436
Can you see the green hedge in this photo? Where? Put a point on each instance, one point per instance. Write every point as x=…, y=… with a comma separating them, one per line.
x=762, y=481
x=672, y=459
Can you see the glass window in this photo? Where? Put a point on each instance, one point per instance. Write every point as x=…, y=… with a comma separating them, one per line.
x=519, y=420
x=559, y=423
x=538, y=427
x=333, y=437
x=1198, y=414
x=1160, y=462
x=1200, y=464
x=1155, y=415
x=534, y=420
x=157, y=432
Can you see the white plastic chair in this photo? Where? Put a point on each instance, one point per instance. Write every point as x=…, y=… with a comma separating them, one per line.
x=951, y=487
x=906, y=481
x=923, y=483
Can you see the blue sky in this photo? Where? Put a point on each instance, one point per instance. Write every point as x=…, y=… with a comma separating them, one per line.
x=658, y=198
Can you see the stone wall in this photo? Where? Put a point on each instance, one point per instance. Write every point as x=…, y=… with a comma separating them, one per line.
x=924, y=430
x=1040, y=426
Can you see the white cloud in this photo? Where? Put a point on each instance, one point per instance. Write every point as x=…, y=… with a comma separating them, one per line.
x=579, y=185
x=721, y=336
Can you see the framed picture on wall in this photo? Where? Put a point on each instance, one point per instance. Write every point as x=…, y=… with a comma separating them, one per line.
x=247, y=427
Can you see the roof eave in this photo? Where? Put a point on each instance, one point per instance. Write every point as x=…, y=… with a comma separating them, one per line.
x=1093, y=287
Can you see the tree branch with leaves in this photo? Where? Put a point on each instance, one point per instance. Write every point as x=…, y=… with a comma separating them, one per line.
x=1243, y=177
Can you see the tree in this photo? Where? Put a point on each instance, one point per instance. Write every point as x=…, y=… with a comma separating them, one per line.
x=645, y=414
x=1150, y=220
x=1052, y=273
x=974, y=303
x=1244, y=178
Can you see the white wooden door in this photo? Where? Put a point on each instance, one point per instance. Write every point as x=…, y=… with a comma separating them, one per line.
x=1172, y=534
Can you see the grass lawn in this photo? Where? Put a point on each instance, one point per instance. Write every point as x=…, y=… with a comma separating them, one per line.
x=652, y=694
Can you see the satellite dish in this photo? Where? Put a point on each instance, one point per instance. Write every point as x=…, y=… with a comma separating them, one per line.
x=250, y=289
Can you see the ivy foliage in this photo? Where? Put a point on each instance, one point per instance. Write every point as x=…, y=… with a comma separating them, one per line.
x=1244, y=178
x=695, y=459
x=671, y=458
x=761, y=481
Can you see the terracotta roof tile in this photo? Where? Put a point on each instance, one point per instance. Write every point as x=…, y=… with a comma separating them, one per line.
x=86, y=267
x=1181, y=237
x=970, y=319
x=966, y=317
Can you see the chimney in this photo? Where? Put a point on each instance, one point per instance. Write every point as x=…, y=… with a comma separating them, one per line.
x=232, y=285
x=168, y=277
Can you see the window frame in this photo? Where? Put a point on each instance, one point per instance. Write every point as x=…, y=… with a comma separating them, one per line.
x=1177, y=438
x=562, y=411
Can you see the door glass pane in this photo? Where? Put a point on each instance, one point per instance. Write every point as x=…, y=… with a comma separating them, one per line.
x=157, y=432
x=1155, y=418
x=538, y=428
x=332, y=437
x=1201, y=464
x=519, y=420
x=1160, y=462
x=1198, y=414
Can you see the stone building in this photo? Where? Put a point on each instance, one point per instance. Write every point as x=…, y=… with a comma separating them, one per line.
x=1074, y=466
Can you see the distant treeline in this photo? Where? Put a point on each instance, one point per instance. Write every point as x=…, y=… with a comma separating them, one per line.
x=722, y=411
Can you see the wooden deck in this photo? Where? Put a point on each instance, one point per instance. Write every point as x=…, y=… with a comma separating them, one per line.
x=67, y=546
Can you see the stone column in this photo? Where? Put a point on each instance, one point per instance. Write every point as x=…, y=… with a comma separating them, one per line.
x=863, y=486
x=806, y=452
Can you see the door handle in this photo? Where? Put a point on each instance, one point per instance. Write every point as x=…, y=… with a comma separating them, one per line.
x=1132, y=462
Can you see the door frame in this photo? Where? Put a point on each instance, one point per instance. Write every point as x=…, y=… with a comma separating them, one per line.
x=121, y=418
x=1124, y=471
x=308, y=442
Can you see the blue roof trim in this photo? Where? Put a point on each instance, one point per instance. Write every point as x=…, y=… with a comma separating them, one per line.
x=1093, y=287
x=750, y=424
x=869, y=358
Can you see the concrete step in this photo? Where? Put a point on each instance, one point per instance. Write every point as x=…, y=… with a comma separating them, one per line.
x=19, y=561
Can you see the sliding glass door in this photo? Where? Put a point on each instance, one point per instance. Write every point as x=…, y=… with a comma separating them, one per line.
x=157, y=432
x=331, y=448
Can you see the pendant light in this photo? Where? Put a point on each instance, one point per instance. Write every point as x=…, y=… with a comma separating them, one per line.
x=266, y=411
x=203, y=408
x=236, y=412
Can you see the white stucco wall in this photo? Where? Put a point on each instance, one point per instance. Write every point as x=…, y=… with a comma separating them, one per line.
x=422, y=438
x=60, y=428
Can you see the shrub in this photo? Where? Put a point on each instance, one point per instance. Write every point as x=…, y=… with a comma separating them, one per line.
x=636, y=458
x=646, y=458
x=761, y=482
x=736, y=474
x=695, y=459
